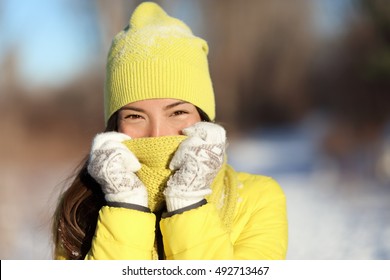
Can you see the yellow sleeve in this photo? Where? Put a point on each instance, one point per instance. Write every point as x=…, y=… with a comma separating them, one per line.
x=263, y=231
x=259, y=228
x=196, y=234
x=123, y=234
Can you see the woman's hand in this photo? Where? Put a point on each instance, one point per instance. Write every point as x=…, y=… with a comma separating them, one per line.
x=113, y=166
x=196, y=162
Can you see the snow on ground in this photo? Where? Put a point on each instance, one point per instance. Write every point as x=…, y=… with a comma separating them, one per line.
x=328, y=220
x=28, y=197
x=331, y=215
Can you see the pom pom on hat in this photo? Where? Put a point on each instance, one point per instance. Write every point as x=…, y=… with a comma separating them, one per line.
x=157, y=56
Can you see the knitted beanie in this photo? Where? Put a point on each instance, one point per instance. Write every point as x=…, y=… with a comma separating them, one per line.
x=157, y=56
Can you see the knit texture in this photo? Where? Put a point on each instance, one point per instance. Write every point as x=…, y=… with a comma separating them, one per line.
x=155, y=154
x=157, y=56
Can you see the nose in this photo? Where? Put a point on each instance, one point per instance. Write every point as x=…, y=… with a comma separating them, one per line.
x=159, y=128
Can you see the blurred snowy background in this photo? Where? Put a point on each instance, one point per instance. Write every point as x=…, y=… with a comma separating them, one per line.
x=302, y=86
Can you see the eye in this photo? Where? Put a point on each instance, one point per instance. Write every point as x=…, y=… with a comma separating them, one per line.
x=179, y=112
x=131, y=117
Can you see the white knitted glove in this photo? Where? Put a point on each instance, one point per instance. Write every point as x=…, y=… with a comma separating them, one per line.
x=113, y=165
x=197, y=162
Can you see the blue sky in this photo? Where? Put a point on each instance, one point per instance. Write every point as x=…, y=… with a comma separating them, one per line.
x=57, y=39
x=330, y=15
x=54, y=41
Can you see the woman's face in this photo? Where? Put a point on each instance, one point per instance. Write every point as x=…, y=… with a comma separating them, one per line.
x=156, y=117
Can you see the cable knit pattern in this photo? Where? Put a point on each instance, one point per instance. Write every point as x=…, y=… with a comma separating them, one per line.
x=198, y=168
x=112, y=165
x=196, y=162
x=155, y=154
x=111, y=174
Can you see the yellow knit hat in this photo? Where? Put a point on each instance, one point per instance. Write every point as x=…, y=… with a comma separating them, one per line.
x=157, y=56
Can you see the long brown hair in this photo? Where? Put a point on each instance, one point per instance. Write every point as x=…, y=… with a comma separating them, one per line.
x=75, y=218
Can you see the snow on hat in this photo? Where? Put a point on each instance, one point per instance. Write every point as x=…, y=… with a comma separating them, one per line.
x=157, y=56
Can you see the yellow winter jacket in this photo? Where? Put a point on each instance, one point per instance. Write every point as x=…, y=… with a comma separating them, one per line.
x=258, y=229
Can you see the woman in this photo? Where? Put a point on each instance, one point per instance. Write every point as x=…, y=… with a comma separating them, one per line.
x=156, y=184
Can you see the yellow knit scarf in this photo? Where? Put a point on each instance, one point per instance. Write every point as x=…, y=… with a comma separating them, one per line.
x=155, y=154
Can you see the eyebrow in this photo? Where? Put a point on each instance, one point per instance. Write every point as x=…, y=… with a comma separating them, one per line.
x=170, y=106
x=127, y=107
x=167, y=107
